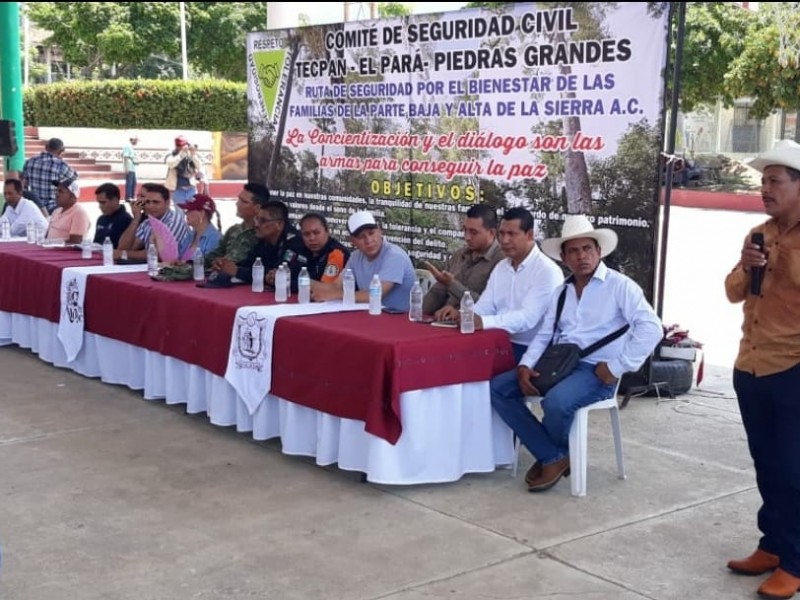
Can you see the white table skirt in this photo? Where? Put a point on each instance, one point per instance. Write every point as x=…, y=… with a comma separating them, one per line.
x=448, y=431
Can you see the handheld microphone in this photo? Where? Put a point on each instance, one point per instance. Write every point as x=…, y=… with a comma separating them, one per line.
x=757, y=273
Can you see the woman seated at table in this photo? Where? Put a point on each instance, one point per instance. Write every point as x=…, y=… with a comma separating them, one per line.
x=199, y=211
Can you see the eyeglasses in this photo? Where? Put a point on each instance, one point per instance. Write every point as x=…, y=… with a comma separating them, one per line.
x=262, y=220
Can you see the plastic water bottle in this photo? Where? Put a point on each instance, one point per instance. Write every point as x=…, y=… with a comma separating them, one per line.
x=258, y=276
x=86, y=249
x=30, y=232
x=108, y=253
x=349, y=288
x=375, y=292
x=198, y=266
x=152, y=260
x=304, y=286
x=467, y=313
x=281, y=277
x=415, y=302
x=288, y=280
x=5, y=229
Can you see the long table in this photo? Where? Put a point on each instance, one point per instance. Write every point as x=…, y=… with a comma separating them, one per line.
x=400, y=401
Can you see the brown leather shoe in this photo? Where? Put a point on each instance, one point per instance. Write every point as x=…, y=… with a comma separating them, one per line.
x=536, y=471
x=779, y=585
x=758, y=563
x=550, y=475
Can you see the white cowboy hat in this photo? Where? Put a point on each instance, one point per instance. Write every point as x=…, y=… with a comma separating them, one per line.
x=575, y=227
x=785, y=153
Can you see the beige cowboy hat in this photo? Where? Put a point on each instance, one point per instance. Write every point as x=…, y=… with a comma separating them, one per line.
x=785, y=153
x=579, y=226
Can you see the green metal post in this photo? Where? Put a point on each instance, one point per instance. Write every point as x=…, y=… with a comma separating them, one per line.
x=11, y=79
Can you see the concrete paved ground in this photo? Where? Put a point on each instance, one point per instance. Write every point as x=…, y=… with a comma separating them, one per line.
x=104, y=495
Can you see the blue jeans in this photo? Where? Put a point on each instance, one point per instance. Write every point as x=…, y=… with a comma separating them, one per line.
x=547, y=440
x=130, y=185
x=771, y=418
x=183, y=195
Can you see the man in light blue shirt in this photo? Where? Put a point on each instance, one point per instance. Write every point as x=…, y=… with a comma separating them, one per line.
x=373, y=255
x=597, y=302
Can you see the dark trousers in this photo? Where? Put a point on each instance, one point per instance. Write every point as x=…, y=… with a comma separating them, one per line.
x=130, y=185
x=770, y=408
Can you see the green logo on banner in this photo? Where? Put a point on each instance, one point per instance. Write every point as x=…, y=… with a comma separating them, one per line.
x=269, y=67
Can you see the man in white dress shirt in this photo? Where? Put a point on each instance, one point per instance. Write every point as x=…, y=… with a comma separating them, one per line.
x=598, y=301
x=520, y=286
x=20, y=211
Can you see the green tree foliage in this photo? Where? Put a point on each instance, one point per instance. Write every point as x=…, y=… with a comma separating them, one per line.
x=625, y=184
x=93, y=36
x=217, y=36
x=716, y=34
x=393, y=9
x=758, y=72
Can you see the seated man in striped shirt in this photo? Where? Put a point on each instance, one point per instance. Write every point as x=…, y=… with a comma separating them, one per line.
x=154, y=203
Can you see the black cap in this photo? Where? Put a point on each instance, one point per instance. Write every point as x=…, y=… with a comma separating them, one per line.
x=217, y=279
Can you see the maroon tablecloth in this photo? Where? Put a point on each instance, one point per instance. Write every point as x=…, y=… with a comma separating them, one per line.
x=30, y=278
x=351, y=364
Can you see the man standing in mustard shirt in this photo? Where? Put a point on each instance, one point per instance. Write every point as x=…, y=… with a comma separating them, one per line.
x=767, y=371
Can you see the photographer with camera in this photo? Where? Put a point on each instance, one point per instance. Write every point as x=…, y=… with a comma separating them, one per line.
x=182, y=167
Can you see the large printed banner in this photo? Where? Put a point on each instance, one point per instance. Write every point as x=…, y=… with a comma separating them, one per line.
x=419, y=118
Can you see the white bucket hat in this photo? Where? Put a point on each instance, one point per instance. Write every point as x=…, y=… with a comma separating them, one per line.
x=785, y=153
x=575, y=227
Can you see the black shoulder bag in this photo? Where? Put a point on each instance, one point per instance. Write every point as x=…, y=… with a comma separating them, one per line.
x=559, y=360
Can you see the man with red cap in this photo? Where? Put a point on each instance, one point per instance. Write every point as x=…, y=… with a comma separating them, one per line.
x=182, y=166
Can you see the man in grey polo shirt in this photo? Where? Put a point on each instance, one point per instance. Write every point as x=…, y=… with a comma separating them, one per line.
x=373, y=255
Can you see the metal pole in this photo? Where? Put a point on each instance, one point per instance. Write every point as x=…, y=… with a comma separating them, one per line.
x=11, y=80
x=184, y=53
x=673, y=128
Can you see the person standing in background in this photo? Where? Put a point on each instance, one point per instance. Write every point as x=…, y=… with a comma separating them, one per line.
x=182, y=166
x=766, y=374
x=129, y=162
x=42, y=170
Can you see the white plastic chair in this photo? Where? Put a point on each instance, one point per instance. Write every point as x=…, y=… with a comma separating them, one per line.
x=579, y=440
x=426, y=279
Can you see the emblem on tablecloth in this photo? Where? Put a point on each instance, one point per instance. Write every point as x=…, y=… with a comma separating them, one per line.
x=73, y=307
x=250, y=349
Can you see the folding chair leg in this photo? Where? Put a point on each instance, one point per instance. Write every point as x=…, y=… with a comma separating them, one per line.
x=578, y=442
x=515, y=466
x=617, y=430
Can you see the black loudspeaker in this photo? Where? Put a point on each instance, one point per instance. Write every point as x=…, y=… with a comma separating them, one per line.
x=8, y=138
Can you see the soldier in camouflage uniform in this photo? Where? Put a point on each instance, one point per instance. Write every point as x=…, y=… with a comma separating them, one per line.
x=240, y=239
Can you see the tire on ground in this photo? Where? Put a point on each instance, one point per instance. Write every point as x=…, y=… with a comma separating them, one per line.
x=679, y=374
